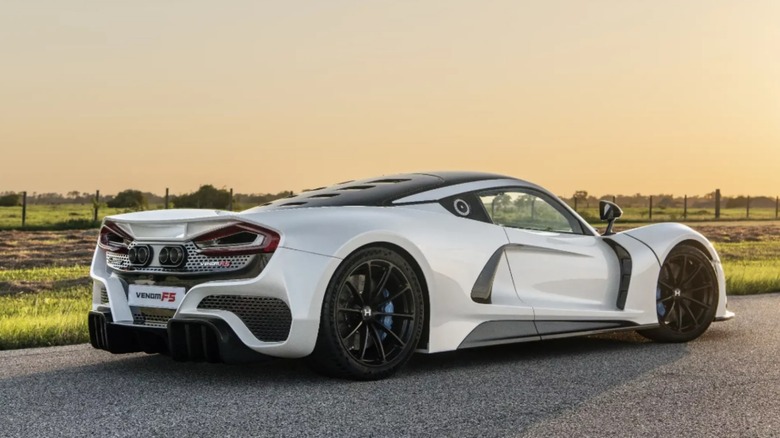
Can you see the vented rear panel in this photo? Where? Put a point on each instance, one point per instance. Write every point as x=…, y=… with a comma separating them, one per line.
x=268, y=319
x=152, y=317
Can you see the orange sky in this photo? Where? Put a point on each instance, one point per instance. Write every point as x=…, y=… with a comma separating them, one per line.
x=607, y=96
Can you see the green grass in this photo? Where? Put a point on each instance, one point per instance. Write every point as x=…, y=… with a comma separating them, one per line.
x=44, y=319
x=54, y=217
x=749, y=251
x=751, y=267
x=748, y=277
x=52, y=274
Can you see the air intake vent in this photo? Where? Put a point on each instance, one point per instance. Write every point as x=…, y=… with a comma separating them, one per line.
x=268, y=319
x=390, y=181
x=152, y=317
x=324, y=195
x=292, y=204
x=364, y=187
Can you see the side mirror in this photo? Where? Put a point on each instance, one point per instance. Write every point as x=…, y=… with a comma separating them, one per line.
x=610, y=212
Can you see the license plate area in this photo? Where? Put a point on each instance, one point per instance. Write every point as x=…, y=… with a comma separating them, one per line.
x=161, y=297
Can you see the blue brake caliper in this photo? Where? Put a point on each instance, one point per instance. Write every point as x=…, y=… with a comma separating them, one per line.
x=387, y=320
x=659, y=305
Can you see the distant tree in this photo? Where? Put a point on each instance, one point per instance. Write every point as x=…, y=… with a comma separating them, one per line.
x=10, y=200
x=152, y=198
x=207, y=196
x=583, y=195
x=664, y=201
x=736, y=202
x=502, y=201
x=130, y=199
x=49, y=198
x=260, y=198
x=762, y=202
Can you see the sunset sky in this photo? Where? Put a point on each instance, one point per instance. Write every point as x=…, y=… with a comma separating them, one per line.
x=606, y=96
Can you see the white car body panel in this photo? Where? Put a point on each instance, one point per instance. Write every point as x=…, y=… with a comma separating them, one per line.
x=540, y=276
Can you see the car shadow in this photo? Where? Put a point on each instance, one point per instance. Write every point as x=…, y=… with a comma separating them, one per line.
x=276, y=370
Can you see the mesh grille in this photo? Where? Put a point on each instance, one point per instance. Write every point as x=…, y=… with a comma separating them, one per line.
x=103, y=295
x=197, y=263
x=117, y=261
x=152, y=317
x=269, y=319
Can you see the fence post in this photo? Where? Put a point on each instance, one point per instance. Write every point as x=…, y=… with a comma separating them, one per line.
x=166, y=198
x=651, y=209
x=97, y=205
x=575, y=203
x=717, y=203
x=748, y=207
x=24, y=209
x=685, y=208
x=777, y=207
x=614, y=199
x=230, y=204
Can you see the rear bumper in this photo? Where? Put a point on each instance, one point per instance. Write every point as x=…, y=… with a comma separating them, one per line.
x=276, y=313
x=184, y=339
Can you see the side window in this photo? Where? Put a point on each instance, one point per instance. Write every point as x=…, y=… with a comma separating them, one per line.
x=519, y=209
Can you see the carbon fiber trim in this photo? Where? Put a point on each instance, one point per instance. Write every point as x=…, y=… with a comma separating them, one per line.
x=626, y=265
x=269, y=319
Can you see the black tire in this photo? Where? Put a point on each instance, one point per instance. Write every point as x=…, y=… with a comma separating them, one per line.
x=372, y=317
x=686, y=296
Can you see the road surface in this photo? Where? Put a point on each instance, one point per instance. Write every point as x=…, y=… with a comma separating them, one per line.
x=727, y=383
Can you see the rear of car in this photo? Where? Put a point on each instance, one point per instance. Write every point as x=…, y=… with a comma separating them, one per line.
x=199, y=287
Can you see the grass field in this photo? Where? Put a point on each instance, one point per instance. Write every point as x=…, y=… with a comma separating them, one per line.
x=45, y=291
x=65, y=216
x=751, y=266
x=45, y=318
x=45, y=288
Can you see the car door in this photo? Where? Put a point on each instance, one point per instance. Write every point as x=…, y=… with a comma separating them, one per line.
x=558, y=267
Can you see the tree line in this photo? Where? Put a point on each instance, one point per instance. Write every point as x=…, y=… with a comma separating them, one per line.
x=670, y=201
x=207, y=196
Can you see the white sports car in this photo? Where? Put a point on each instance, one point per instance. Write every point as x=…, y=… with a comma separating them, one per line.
x=358, y=276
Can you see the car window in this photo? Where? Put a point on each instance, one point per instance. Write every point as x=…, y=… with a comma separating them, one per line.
x=519, y=209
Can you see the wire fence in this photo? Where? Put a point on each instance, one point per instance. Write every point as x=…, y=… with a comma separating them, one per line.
x=684, y=209
x=637, y=208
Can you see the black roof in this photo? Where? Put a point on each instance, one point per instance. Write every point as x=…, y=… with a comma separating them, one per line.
x=379, y=191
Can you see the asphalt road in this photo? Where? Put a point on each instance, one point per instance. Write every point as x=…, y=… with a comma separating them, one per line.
x=727, y=383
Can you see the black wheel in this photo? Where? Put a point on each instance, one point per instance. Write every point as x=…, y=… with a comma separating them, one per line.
x=372, y=317
x=686, y=296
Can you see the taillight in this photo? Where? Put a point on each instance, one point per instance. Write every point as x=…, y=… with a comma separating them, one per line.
x=113, y=238
x=237, y=239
